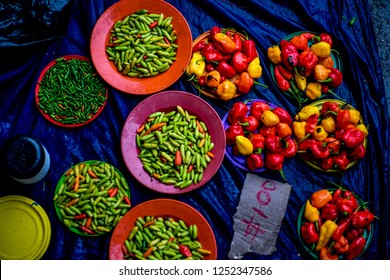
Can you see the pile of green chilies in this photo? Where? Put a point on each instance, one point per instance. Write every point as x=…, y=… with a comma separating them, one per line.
x=71, y=92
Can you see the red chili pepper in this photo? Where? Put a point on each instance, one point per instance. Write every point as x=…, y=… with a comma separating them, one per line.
x=358, y=152
x=285, y=73
x=289, y=147
x=249, y=49
x=225, y=69
x=238, y=41
x=258, y=143
x=153, y=24
x=250, y=123
x=307, y=60
x=290, y=55
x=211, y=54
x=352, y=137
x=113, y=192
x=127, y=200
x=335, y=78
x=80, y=216
x=356, y=248
x=185, y=251
x=86, y=230
x=267, y=130
x=346, y=205
x=283, y=115
x=232, y=132
x=258, y=108
x=329, y=212
x=362, y=219
x=333, y=144
x=337, y=193
x=239, y=62
x=311, y=123
x=254, y=161
x=342, y=227
x=273, y=143
x=309, y=233
x=237, y=113
x=281, y=81
x=214, y=30
x=199, y=46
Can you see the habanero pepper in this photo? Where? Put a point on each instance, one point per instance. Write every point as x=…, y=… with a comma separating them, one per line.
x=274, y=54
x=330, y=106
x=299, y=128
x=327, y=254
x=224, y=43
x=341, y=246
x=244, y=145
x=273, y=143
x=321, y=72
x=307, y=60
x=232, y=132
x=267, y=130
x=328, y=123
x=249, y=49
x=199, y=46
x=326, y=163
x=197, y=65
x=309, y=233
x=254, y=161
x=226, y=90
x=333, y=144
x=356, y=248
x=290, y=55
x=250, y=123
x=283, y=130
x=326, y=62
x=320, y=134
x=254, y=68
x=362, y=219
x=329, y=212
x=214, y=30
x=225, y=69
x=238, y=41
x=358, y=152
x=289, y=148
x=258, y=108
x=345, y=206
x=320, y=198
x=321, y=49
x=319, y=150
x=341, y=160
x=239, y=62
x=244, y=83
x=258, y=143
x=269, y=118
x=343, y=118
x=213, y=79
x=313, y=90
x=300, y=42
x=274, y=162
x=306, y=112
x=304, y=148
x=237, y=113
x=335, y=78
x=211, y=54
x=353, y=233
x=352, y=137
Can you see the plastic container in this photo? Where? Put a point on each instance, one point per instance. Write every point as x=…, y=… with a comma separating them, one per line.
x=26, y=159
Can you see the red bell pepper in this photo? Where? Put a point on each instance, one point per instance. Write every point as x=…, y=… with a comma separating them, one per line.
x=307, y=60
x=258, y=142
x=362, y=219
x=254, y=161
x=343, y=118
x=225, y=69
x=319, y=150
x=274, y=162
x=238, y=41
x=237, y=113
x=289, y=148
x=199, y=46
x=232, y=132
x=258, y=108
x=273, y=143
x=283, y=115
x=352, y=137
x=309, y=233
x=290, y=55
x=356, y=248
x=267, y=130
x=239, y=62
x=249, y=49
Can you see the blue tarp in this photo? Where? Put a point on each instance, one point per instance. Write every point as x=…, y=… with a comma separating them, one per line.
x=31, y=36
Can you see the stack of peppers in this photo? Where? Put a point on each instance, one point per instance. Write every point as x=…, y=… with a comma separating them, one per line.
x=260, y=135
x=331, y=137
x=224, y=64
x=304, y=67
x=334, y=224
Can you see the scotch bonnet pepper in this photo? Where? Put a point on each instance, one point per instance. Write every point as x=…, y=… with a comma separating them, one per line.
x=224, y=43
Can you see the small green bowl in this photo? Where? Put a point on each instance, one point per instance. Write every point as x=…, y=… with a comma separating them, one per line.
x=315, y=255
x=93, y=197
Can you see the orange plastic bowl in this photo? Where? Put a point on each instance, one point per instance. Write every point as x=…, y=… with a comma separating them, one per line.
x=133, y=85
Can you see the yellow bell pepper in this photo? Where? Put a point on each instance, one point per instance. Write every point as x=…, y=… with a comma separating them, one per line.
x=197, y=65
x=299, y=128
x=269, y=118
x=355, y=116
x=300, y=80
x=320, y=134
x=321, y=49
x=311, y=213
x=244, y=145
x=254, y=68
x=313, y=90
x=363, y=128
x=213, y=79
x=226, y=90
x=329, y=124
x=326, y=231
x=306, y=112
x=274, y=54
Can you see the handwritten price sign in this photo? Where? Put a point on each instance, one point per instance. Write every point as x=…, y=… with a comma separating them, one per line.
x=259, y=216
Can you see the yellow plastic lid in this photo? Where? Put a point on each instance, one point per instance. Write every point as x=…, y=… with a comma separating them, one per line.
x=24, y=229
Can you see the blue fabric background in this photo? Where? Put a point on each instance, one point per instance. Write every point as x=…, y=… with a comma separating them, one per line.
x=30, y=37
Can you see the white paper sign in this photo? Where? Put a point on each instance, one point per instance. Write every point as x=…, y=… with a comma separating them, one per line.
x=259, y=215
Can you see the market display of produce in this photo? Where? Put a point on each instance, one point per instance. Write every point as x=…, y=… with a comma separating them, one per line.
x=259, y=136
x=335, y=224
x=224, y=64
x=174, y=142
x=331, y=135
x=305, y=66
